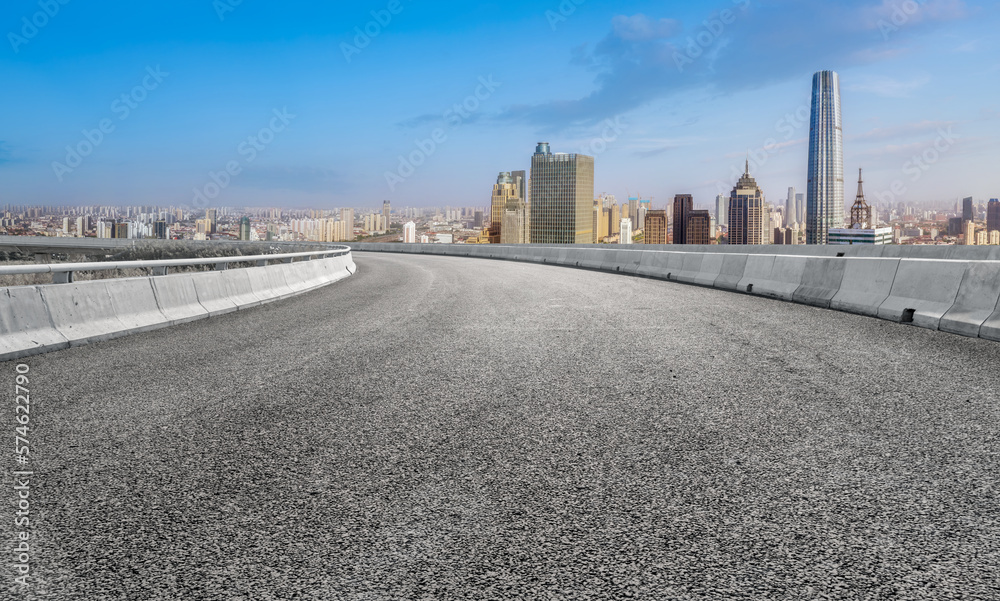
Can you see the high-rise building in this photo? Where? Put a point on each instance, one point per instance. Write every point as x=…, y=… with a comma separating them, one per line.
x=562, y=197
x=800, y=207
x=626, y=231
x=683, y=205
x=655, y=231
x=993, y=215
x=160, y=229
x=697, y=228
x=722, y=210
x=212, y=216
x=790, y=209
x=748, y=221
x=503, y=190
x=410, y=233
x=825, y=191
x=970, y=233
x=968, y=211
x=633, y=211
x=861, y=213
x=386, y=211
x=244, y=228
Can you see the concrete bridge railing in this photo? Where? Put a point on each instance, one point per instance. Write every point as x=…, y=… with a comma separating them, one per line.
x=954, y=289
x=43, y=318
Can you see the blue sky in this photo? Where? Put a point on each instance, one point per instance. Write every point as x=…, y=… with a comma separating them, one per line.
x=284, y=103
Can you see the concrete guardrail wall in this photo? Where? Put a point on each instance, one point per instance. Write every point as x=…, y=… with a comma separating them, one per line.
x=954, y=289
x=39, y=319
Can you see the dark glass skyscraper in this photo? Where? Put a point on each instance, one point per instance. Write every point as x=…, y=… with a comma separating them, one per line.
x=825, y=192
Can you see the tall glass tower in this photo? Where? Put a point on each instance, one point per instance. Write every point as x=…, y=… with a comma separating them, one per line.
x=562, y=197
x=825, y=193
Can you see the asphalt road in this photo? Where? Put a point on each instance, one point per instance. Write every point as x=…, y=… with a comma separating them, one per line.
x=448, y=428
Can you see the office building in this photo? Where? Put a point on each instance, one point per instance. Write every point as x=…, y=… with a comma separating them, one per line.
x=748, y=221
x=825, y=190
x=683, y=205
x=722, y=210
x=508, y=193
x=800, y=207
x=244, y=228
x=655, y=231
x=410, y=233
x=993, y=215
x=862, y=230
x=562, y=197
x=791, y=211
x=386, y=212
x=633, y=211
x=697, y=229
x=160, y=230
x=968, y=210
x=212, y=217
x=626, y=231
x=849, y=236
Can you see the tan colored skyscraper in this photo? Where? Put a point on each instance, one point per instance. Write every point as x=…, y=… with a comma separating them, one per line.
x=616, y=220
x=505, y=190
x=562, y=196
x=698, y=225
x=970, y=233
x=656, y=227
x=747, y=218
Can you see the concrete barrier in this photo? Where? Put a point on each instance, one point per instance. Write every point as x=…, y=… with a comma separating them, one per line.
x=978, y=298
x=865, y=285
x=689, y=267
x=711, y=267
x=133, y=302
x=820, y=281
x=25, y=326
x=923, y=291
x=178, y=299
x=991, y=327
x=82, y=312
x=732, y=271
x=268, y=283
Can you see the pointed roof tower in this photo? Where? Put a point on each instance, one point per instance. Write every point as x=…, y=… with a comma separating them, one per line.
x=861, y=213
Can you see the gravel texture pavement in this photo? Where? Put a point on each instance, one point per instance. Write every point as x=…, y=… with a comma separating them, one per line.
x=450, y=428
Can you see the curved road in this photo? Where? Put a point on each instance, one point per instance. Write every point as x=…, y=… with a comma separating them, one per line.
x=449, y=428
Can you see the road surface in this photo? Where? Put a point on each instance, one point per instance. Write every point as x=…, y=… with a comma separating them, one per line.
x=450, y=428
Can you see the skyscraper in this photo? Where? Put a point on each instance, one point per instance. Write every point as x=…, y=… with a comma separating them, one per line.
x=562, y=197
x=968, y=211
x=722, y=210
x=993, y=215
x=386, y=211
x=626, y=231
x=655, y=231
x=504, y=190
x=697, y=228
x=825, y=191
x=791, y=211
x=748, y=221
x=683, y=205
x=410, y=233
x=800, y=208
x=861, y=213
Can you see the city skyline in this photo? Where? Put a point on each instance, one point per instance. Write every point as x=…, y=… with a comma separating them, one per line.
x=256, y=108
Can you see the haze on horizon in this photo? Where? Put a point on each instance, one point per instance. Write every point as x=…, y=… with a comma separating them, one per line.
x=293, y=105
